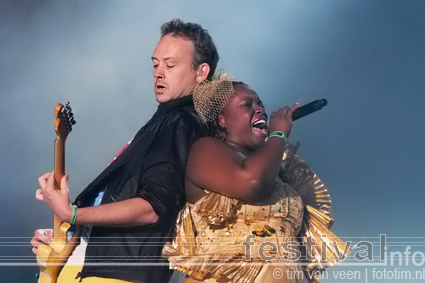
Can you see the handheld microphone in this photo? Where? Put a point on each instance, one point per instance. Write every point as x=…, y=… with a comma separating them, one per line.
x=309, y=108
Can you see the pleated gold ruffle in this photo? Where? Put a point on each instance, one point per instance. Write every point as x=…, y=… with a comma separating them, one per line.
x=184, y=257
x=323, y=248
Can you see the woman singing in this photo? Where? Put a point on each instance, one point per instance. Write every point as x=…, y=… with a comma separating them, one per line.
x=255, y=212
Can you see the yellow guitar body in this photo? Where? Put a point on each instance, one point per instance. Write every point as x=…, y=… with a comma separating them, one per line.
x=52, y=258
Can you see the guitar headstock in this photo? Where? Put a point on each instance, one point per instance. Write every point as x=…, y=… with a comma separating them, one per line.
x=64, y=121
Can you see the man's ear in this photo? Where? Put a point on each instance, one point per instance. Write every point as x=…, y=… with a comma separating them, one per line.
x=202, y=73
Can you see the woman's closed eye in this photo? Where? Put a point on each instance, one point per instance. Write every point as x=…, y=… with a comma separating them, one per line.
x=247, y=103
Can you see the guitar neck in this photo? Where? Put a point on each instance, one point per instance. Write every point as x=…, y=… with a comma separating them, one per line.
x=59, y=173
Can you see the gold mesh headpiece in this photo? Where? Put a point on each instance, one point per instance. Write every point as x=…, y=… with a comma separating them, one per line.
x=210, y=97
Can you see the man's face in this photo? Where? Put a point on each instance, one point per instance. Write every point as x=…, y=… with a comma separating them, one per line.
x=173, y=69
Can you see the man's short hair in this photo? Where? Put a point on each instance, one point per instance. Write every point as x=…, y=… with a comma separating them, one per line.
x=205, y=50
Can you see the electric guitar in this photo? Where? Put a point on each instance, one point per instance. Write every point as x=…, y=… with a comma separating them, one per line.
x=52, y=258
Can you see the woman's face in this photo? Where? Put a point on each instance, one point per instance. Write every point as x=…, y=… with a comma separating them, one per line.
x=244, y=119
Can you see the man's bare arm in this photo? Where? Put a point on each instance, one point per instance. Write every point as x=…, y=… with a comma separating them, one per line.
x=126, y=213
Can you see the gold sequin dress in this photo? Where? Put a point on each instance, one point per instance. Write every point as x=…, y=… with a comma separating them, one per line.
x=220, y=239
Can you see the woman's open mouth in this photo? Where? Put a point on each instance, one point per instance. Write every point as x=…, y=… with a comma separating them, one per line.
x=260, y=126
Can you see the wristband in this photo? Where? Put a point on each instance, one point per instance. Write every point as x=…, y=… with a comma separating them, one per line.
x=278, y=134
x=74, y=214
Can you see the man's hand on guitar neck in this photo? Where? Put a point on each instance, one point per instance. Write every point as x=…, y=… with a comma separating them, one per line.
x=41, y=236
x=58, y=200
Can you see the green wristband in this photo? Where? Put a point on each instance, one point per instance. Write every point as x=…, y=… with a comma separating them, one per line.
x=278, y=134
x=74, y=214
